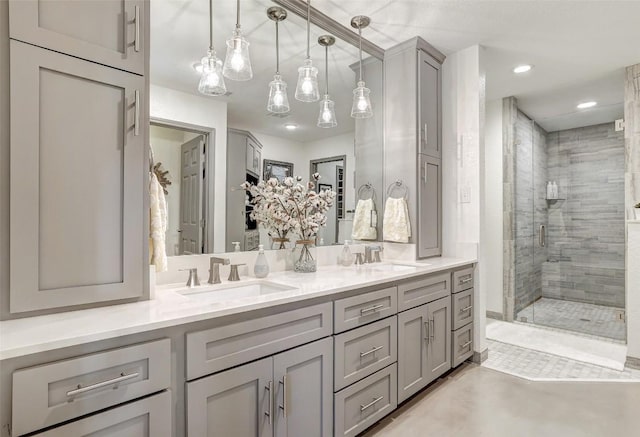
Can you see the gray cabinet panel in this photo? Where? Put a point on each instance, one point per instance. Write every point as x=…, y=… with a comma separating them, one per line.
x=355, y=311
x=236, y=175
x=364, y=403
x=107, y=32
x=430, y=105
x=365, y=350
x=303, y=391
x=412, y=351
x=462, y=308
x=417, y=292
x=462, y=345
x=463, y=280
x=238, y=402
x=149, y=417
x=77, y=181
x=429, y=206
x=439, y=345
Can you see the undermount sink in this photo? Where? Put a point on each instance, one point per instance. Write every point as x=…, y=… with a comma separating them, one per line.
x=393, y=267
x=226, y=292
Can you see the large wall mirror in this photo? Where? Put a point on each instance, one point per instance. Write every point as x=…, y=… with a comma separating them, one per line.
x=204, y=147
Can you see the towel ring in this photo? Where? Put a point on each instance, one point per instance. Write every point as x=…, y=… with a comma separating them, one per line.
x=366, y=189
x=398, y=185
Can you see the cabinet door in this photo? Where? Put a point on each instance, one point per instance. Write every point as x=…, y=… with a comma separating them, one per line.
x=250, y=157
x=107, y=32
x=429, y=207
x=304, y=393
x=236, y=175
x=429, y=105
x=78, y=225
x=148, y=417
x=439, y=345
x=257, y=156
x=238, y=402
x=412, y=351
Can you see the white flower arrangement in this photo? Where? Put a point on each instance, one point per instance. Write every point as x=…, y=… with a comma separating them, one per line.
x=289, y=206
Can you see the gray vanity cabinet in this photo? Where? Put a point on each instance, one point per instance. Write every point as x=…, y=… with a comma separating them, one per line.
x=106, y=32
x=77, y=181
x=287, y=395
x=424, y=349
x=429, y=206
x=429, y=105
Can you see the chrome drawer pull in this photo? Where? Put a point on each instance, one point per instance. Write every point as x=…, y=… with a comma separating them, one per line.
x=432, y=329
x=371, y=404
x=136, y=42
x=372, y=351
x=106, y=383
x=464, y=281
x=136, y=114
x=464, y=310
x=269, y=414
x=463, y=346
x=426, y=331
x=283, y=407
x=370, y=309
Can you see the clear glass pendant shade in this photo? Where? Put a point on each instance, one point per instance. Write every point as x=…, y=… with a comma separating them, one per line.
x=278, y=100
x=212, y=80
x=307, y=88
x=327, y=115
x=237, y=64
x=361, y=103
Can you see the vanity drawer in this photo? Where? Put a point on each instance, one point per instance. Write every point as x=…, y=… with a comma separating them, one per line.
x=52, y=393
x=148, y=417
x=462, y=306
x=220, y=348
x=363, y=351
x=463, y=280
x=418, y=292
x=355, y=311
x=362, y=404
x=462, y=345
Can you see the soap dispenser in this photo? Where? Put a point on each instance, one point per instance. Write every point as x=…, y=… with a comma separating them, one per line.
x=261, y=268
x=347, y=257
x=236, y=246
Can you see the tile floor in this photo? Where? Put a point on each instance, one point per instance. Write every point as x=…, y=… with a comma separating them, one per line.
x=477, y=401
x=541, y=366
x=581, y=317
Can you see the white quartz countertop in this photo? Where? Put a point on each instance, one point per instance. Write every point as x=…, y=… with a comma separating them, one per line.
x=170, y=308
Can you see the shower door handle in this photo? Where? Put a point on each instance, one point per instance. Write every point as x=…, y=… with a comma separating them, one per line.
x=542, y=236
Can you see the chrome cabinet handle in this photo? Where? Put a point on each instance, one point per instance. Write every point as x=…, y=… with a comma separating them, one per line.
x=463, y=346
x=269, y=413
x=369, y=352
x=464, y=281
x=465, y=309
x=424, y=172
x=371, y=404
x=136, y=115
x=283, y=407
x=372, y=308
x=136, y=42
x=427, y=331
x=542, y=236
x=97, y=385
x=432, y=329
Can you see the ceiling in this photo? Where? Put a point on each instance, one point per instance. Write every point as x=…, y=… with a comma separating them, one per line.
x=578, y=48
x=180, y=37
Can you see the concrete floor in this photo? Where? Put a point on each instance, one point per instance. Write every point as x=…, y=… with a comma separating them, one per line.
x=476, y=401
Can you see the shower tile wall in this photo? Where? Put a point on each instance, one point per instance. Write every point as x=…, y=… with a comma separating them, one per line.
x=530, y=190
x=586, y=232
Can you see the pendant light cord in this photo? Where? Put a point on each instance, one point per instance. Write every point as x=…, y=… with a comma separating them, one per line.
x=211, y=25
x=277, y=50
x=308, y=28
x=326, y=67
x=360, y=37
x=238, y=14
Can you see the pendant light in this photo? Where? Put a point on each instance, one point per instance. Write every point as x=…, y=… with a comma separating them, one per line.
x=278, y=102
x=211, y=79
x=361, y=103
x=237, y=64
x=307, y=87
x=327, y=115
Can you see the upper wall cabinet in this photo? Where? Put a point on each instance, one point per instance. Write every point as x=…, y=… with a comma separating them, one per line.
x=107, y=32
x=429, y=105
x=77, y=180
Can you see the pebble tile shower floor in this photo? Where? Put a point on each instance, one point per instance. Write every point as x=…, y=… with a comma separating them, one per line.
x=581, y=317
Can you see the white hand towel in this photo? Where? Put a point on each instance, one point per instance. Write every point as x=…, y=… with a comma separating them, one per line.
x=364, y=222
x=157, y=224
x=396, y=226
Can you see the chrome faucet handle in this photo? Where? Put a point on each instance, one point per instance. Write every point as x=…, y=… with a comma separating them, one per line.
x=359, y=258
x=193, y=280
x=372, y=253
x=214, y=269
x=233, y=274
x=376, y=254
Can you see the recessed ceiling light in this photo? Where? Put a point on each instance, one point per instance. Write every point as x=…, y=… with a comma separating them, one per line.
x=522, y=68
x=197, y=66
x=291, y=126
x=586, y=105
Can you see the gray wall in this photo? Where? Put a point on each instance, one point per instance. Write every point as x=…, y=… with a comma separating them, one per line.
x=586, y=231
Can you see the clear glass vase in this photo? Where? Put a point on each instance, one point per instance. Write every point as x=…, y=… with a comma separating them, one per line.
x=278, y=243
x=304, y=256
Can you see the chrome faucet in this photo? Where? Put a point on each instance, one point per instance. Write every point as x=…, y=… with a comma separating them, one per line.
x=193, y=280
x=359, y=258
x=214, y=269
x=233, y=274
x=372, y=254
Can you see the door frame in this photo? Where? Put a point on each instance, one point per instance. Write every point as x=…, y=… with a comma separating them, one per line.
x=209, y=191
x=313, y=165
